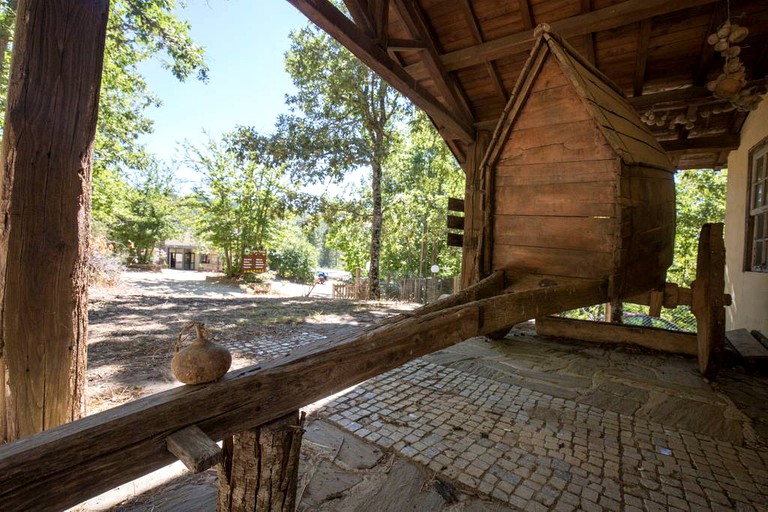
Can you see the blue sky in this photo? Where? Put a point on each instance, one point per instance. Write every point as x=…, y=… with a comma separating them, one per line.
x=245, y=41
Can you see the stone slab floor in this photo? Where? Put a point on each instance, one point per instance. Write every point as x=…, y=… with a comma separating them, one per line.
x=545, y=424
x=533, y=424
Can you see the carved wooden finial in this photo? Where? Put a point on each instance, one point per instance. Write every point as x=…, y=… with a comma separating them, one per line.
x=541, y=29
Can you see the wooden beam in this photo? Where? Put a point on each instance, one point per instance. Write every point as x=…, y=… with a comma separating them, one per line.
x=707, y=50
x=405, y=45
x=607, y=18
x=525, y=14
x=641, y=57
x=477, y=35
x=414, y=19
x=63, y=466
x=589, y=38
x=329, y=18
x=678, y=97
x=455, y=204
x=379, y=10
x=703, y=144
x=196, y=450
x=663, y=340
x=359, y=13
x=45, y=195
x=455, y=222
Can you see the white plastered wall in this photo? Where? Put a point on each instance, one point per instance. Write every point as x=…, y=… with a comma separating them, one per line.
x=748, y=289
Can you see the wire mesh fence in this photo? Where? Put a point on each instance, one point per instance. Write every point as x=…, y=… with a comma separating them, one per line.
x=674, y=319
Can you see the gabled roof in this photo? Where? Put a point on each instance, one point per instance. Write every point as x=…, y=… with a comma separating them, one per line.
x=622, y=128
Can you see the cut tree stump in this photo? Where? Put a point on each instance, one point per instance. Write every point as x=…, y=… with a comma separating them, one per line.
x=260, y=468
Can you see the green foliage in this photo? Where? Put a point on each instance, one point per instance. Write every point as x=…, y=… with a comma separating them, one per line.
x=700, y=199
x=149, y=215
x=239, y=199
x=421, y=176
x=294, y=257
x=343, y=117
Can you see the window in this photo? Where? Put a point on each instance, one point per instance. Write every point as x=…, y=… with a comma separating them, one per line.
x=757, y=219
x=204, y=258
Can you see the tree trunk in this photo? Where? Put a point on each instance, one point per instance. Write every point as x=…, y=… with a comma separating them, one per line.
x=261, y=466
x=374, y=291
x=50, y=123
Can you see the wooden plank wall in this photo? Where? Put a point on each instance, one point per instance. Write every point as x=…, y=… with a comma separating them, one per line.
x=555, y=191
x=647, y=229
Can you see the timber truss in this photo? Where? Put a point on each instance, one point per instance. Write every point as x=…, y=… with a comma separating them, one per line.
x=458, y=60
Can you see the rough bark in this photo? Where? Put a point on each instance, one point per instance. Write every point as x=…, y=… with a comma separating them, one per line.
x=260, y=468
x=50, y=123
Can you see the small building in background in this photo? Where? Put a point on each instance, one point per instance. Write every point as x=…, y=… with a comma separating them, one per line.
x=188, y=255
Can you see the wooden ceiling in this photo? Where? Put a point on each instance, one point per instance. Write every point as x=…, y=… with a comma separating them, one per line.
x=459, y=59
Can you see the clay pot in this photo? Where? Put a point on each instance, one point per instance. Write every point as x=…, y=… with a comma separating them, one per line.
x=202, y=361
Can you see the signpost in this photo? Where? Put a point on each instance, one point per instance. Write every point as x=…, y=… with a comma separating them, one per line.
x=254, y=262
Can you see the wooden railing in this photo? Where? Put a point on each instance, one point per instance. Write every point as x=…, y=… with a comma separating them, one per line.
x=68, y=464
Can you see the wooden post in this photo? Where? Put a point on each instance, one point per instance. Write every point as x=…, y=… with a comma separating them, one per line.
x=476, y=201
x=50, y=122
x=261, y=467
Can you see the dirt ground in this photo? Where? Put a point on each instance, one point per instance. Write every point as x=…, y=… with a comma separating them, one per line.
x=133, y=327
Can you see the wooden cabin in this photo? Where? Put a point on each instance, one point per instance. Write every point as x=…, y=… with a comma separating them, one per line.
x=581, y=187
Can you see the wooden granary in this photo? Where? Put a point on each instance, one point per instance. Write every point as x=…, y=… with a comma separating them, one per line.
x=580, y=186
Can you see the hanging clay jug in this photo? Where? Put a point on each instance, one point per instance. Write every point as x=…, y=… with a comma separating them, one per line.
x=202, y=361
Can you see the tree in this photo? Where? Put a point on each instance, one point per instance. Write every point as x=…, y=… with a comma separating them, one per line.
x=343, y=117
x=421, y=176
x=239, y=199
x=700, y=199
x=424, y=175
x=150, y=215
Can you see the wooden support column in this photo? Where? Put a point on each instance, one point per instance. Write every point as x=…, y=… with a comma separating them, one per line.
x=261, y=467
x=474, y=266
x=53, y=98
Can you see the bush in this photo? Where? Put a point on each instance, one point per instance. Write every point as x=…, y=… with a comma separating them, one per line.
x=296, y=261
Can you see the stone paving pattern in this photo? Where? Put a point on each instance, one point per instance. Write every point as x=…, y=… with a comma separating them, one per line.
x=538, y=451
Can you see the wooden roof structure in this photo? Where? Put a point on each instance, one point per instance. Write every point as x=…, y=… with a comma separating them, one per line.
x=459, y=59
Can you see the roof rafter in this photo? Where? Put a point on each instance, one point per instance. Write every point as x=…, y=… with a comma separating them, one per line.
x=414, y=19
x=607, y=18
x=641, y=57
x=359, y=11
x=474, y=27
x=525, y=13
x=703, y=144
x=379, y=10
x=589, y=39
x=326, y=16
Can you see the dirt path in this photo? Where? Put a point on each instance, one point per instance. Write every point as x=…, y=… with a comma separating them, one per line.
x=133, y=327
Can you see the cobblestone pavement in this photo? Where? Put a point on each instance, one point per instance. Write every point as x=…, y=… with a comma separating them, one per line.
x=539, y=451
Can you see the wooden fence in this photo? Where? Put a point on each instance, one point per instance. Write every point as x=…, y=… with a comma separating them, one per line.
x=421, y=290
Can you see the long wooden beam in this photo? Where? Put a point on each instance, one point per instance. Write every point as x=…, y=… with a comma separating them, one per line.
x=326, y=16
x=703, y=144
x=63, y=466
x=677, y=342
x=416, y=23
x=641, y=56
x=607, y=18
x=477, y=35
